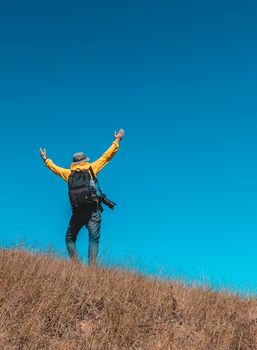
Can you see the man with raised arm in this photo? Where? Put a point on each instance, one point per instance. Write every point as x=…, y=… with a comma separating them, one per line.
x=85, y=196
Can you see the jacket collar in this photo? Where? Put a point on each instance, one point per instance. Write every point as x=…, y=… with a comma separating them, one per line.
x=84, y=166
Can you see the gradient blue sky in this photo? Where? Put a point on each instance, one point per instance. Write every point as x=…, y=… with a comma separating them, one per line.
x=181, y=78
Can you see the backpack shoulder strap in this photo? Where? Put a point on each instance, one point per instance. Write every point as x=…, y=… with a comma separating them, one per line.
x=95, y=179
x=92, y=173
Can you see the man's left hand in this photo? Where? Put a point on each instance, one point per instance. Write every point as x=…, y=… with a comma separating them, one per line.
x=43, y=154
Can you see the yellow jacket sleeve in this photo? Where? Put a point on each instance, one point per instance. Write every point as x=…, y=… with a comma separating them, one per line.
x=62, y=172
x=105, y=158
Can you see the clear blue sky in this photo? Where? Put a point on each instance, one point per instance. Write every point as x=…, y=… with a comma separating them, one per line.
x=181, y=78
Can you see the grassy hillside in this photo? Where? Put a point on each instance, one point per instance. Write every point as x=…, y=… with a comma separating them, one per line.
x=49, y=303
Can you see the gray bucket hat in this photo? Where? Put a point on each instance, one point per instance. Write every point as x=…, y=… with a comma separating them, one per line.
x=80, y=157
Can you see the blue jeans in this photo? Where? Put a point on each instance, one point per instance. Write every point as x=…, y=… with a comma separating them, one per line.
x=91, y=218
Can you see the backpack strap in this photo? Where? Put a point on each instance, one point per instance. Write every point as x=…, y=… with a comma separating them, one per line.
x=92, y=174
x=98, y=189
x=95, y=179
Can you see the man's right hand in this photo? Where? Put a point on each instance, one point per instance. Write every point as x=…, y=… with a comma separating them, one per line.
x=43, y=154
x=119, y=136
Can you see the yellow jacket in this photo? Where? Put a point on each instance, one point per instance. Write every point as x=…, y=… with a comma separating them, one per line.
x=96, y=166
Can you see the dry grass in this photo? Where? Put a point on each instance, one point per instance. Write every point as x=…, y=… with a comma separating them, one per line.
x=49, y=303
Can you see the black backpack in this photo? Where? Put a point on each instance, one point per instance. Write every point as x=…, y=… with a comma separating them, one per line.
x=80, y=188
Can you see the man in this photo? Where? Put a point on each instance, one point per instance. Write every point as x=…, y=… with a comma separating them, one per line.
x=85, y=213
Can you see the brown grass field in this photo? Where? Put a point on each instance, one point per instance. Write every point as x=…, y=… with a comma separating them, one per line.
x=51, y=303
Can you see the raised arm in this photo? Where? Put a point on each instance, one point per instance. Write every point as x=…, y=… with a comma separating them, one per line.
x=62, y=172
x=107, y=156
